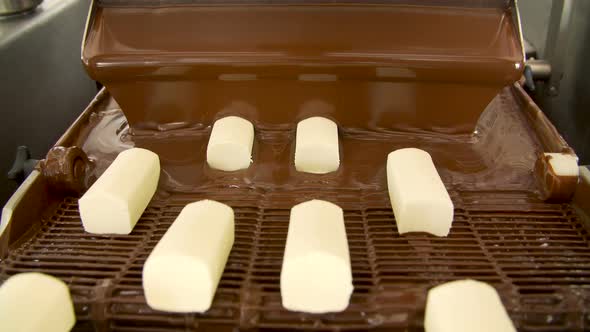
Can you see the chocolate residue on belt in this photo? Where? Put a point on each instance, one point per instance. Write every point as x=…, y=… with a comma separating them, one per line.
x=500, y=155
x=375, y=67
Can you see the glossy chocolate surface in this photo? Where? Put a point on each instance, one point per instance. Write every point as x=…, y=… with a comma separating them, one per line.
x=501, y=155
x=376, y=67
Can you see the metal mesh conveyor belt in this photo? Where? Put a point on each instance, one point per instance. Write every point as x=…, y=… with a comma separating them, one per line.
x=536, y=254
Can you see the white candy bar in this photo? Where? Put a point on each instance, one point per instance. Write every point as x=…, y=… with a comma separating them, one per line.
x=465, y=306
x=230, y=144
x=116, y=201
x=418, y=196
x=182, y=272
x=563, y=164
x=35, y=302
x=316, y=146
x=316, y=276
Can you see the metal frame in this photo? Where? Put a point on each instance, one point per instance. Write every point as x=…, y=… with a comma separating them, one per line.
x=89, y=20
x=557, y=41
x=10, y=206
x=518, y=24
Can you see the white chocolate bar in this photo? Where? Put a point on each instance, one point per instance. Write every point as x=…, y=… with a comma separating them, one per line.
x=183, y=271
x=316, y=146
x=563, y=164
x=230, y=144
x=465, y=306
x=116, y=201
x=316, y=276
x=35, y=302
x=418, y=196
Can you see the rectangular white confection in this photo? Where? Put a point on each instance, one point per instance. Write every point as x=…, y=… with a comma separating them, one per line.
x=35, y=302
x=316, y=276
x=465, y=306
x=316, y=146
x=182, y=272
x=116, y=201
x=230, y=144
x=563, y=164
x=418, y=196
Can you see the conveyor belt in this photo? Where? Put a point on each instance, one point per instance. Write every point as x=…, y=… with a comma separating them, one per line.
x=536, y=254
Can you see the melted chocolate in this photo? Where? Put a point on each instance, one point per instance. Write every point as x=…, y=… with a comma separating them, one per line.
x=65, y=169
x=373, y=67
x=501, y=155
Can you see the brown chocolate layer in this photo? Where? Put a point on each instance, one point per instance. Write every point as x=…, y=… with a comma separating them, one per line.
x=371, y=67
x=501, y=154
